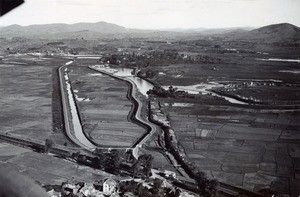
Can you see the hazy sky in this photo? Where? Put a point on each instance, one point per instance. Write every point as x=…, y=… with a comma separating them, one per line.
x=154, y=14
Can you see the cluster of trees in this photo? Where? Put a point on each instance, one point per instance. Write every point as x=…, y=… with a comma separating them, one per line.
x=287, y=44
x=147, y=73
x=156, y=58
x=108, y=161
x=142, y=167
x=204, y=185
x=169, y=93
x=112, y=162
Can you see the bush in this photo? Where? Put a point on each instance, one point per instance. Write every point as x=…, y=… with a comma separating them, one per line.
x=49, y=144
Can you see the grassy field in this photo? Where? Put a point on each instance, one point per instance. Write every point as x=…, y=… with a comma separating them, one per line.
x=250, y=148
x=26, y=112
x=26, y=98
x=45, y=169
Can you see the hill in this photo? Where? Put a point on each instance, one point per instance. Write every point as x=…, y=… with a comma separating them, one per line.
x=275, y=33
x=60, y=28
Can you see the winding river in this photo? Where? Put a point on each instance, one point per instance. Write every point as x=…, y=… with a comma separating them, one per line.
x=126, y=73
x=204, y=88
x=143, y=85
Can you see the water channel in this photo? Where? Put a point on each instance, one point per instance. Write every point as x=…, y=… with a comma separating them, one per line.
x=280, y=60
x=143, y=85
x=204, y=88
x=73, y=124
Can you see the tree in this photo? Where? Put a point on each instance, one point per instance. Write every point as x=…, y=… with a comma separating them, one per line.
x=172, y=91
x=49, y=144
x=157, y=189
x=112, y=162
x=98, y=152
x=205, y=186
x=142, y=168
x=140, y=190
x=113, y=59
x=129, y=156
x=76, y=155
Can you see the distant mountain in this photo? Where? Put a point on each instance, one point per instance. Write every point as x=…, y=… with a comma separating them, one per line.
x=203, y=30
x=44, y=30
x=220, y=31
x=275, y=32
x=183, y=29
x=100, y=27
x=272, y=33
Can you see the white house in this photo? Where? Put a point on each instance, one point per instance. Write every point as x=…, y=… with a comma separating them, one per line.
x=170, y=174
x=109, y=186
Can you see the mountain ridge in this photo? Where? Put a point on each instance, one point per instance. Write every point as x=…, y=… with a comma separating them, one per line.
x=55, y=28
x=273, y=32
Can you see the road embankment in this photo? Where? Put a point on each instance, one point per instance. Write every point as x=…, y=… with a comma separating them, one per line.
x=36, y=145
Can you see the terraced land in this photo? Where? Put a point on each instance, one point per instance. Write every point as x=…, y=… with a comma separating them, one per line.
x=104, y=108
x=249, y=148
